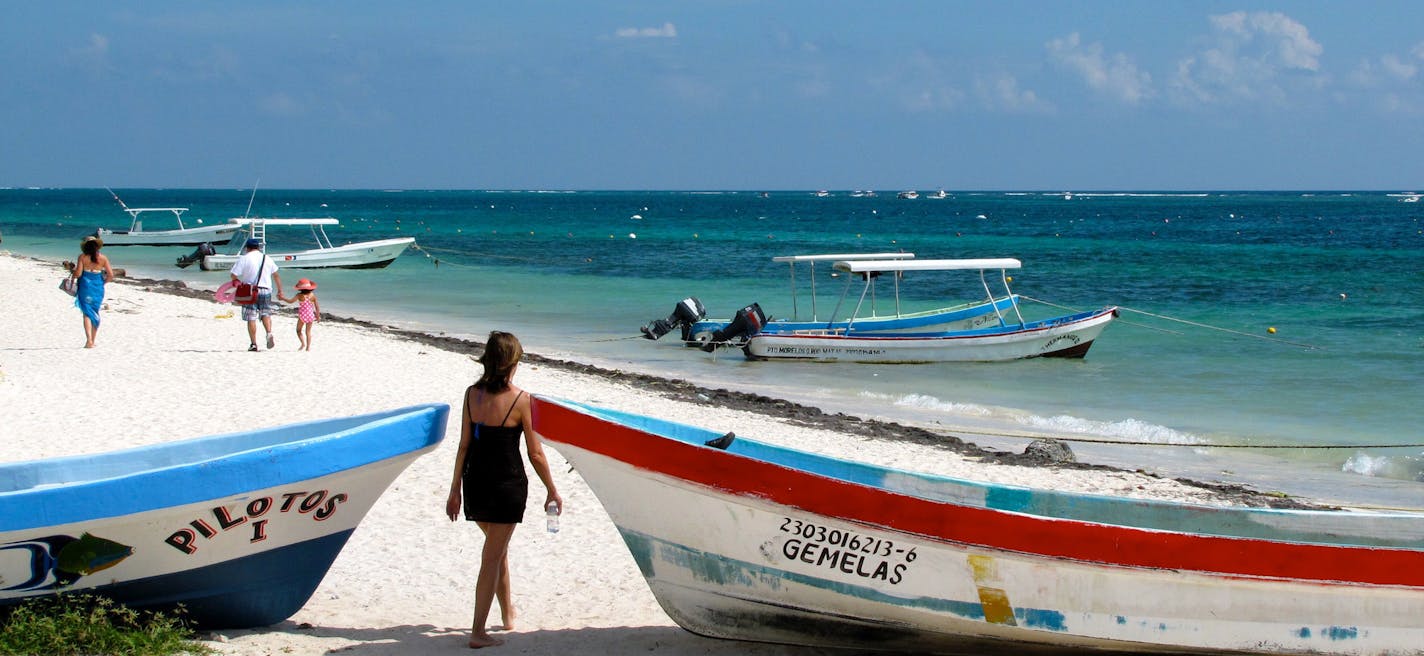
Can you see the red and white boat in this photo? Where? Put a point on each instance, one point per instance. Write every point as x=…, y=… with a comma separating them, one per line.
x=748, y=541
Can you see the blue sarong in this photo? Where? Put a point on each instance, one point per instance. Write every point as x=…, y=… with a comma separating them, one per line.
x=90, y=296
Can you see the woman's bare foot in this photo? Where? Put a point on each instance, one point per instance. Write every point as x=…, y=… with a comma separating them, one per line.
x=507, y=616
x=479, y=640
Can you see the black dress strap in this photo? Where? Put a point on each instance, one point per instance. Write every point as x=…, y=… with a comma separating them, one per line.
x=510, y=411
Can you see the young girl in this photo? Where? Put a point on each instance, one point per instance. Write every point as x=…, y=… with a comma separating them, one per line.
x=308, y=311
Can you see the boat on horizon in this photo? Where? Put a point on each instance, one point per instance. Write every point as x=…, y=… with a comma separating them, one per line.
x=373, y=254
x=998, y=335
x=911, y=194
x=183, y=235
x=239, y=529
x=744, y=540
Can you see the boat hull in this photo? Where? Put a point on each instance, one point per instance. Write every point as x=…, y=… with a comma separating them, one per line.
x=767, y=544
x=239, y=529
x=362, y=255
x=1063, y=337
x=215, y=234
x=970, y=316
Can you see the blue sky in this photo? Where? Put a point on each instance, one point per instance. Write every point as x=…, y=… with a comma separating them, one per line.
x=714, y=95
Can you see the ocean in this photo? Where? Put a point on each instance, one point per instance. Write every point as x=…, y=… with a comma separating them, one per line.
x=1291, y=323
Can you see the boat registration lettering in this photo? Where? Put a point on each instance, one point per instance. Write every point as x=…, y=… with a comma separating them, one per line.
x=320, y=505
x=846, y=551
x=823, y=350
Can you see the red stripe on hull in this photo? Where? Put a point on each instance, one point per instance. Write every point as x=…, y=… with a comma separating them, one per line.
x=987, y=528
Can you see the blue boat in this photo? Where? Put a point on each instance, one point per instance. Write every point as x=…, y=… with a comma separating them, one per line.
x=238, y=528
x=689, y=315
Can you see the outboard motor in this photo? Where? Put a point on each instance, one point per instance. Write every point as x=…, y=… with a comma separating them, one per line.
x=687, y=312
x=197, y=255
x=746, y=323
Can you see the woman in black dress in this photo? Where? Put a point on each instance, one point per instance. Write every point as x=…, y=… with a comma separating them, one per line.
x=491, y=478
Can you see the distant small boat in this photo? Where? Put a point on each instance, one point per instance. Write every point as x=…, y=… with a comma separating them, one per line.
x=237, y=528
x=743, y=540
x=183, y=235
x=373, y=254
x=822, y=193
x=938, y=194
x=911, y=194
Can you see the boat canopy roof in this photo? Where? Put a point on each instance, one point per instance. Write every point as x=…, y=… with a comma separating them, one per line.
x=285, y=222
x=843, y=256
x=864, y=266
x=136, y=210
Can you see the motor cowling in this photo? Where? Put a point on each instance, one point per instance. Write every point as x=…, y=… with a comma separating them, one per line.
x=688, y=311
x=198, y=254
x=747, y=322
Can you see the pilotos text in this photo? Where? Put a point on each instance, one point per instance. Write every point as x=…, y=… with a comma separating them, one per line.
x=321, y=505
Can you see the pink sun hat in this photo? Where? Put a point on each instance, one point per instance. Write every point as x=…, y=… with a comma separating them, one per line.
x=305, y=285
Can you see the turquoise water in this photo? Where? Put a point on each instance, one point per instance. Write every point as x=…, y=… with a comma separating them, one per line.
x=1337, y=274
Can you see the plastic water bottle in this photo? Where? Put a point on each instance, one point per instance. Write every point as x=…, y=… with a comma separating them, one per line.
x=552, y=520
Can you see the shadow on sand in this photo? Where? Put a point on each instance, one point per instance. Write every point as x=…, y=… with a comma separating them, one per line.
x=428, y=639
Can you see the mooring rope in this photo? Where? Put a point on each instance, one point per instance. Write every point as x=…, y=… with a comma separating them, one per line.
x=1199, y=445
x=1197, y=324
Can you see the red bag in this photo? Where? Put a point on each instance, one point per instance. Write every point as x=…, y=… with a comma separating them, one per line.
x=245, y=294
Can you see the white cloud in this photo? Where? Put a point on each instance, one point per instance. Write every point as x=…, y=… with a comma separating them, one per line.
x=93, y=55
x=1114, y=75
x=1250, y=56
x=933, y=99
x=1398, y=68
x=667, y=31
x=1003, y=92
x=1388, y=82
x=280, y=104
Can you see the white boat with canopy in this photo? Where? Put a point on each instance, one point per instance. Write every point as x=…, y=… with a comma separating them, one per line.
x=697, y=331
x=359, y=255
x=1008, y=336
x=183, y=235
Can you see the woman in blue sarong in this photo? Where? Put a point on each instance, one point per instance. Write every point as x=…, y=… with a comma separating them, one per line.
x=91, y=272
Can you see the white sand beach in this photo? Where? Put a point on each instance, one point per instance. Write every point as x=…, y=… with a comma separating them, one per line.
x=171, y=367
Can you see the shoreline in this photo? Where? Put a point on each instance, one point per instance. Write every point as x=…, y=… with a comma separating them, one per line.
x=780, y=408
x=171, y=364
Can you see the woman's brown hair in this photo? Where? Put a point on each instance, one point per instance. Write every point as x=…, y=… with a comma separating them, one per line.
x=502, y=352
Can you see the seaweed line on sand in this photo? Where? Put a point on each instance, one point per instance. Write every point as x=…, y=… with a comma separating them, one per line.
x=871, y=429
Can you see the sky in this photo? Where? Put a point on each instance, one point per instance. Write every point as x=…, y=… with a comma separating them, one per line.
x=914, y=94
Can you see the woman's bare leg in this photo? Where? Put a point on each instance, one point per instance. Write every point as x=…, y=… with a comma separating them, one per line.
x=492, y=565
x=90, y=332
x=501, y=593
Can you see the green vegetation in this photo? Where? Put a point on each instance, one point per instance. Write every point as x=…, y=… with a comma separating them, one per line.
x=67, y=625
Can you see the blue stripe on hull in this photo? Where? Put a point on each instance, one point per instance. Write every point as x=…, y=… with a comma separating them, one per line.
x=257, y=590
x=740, y=586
